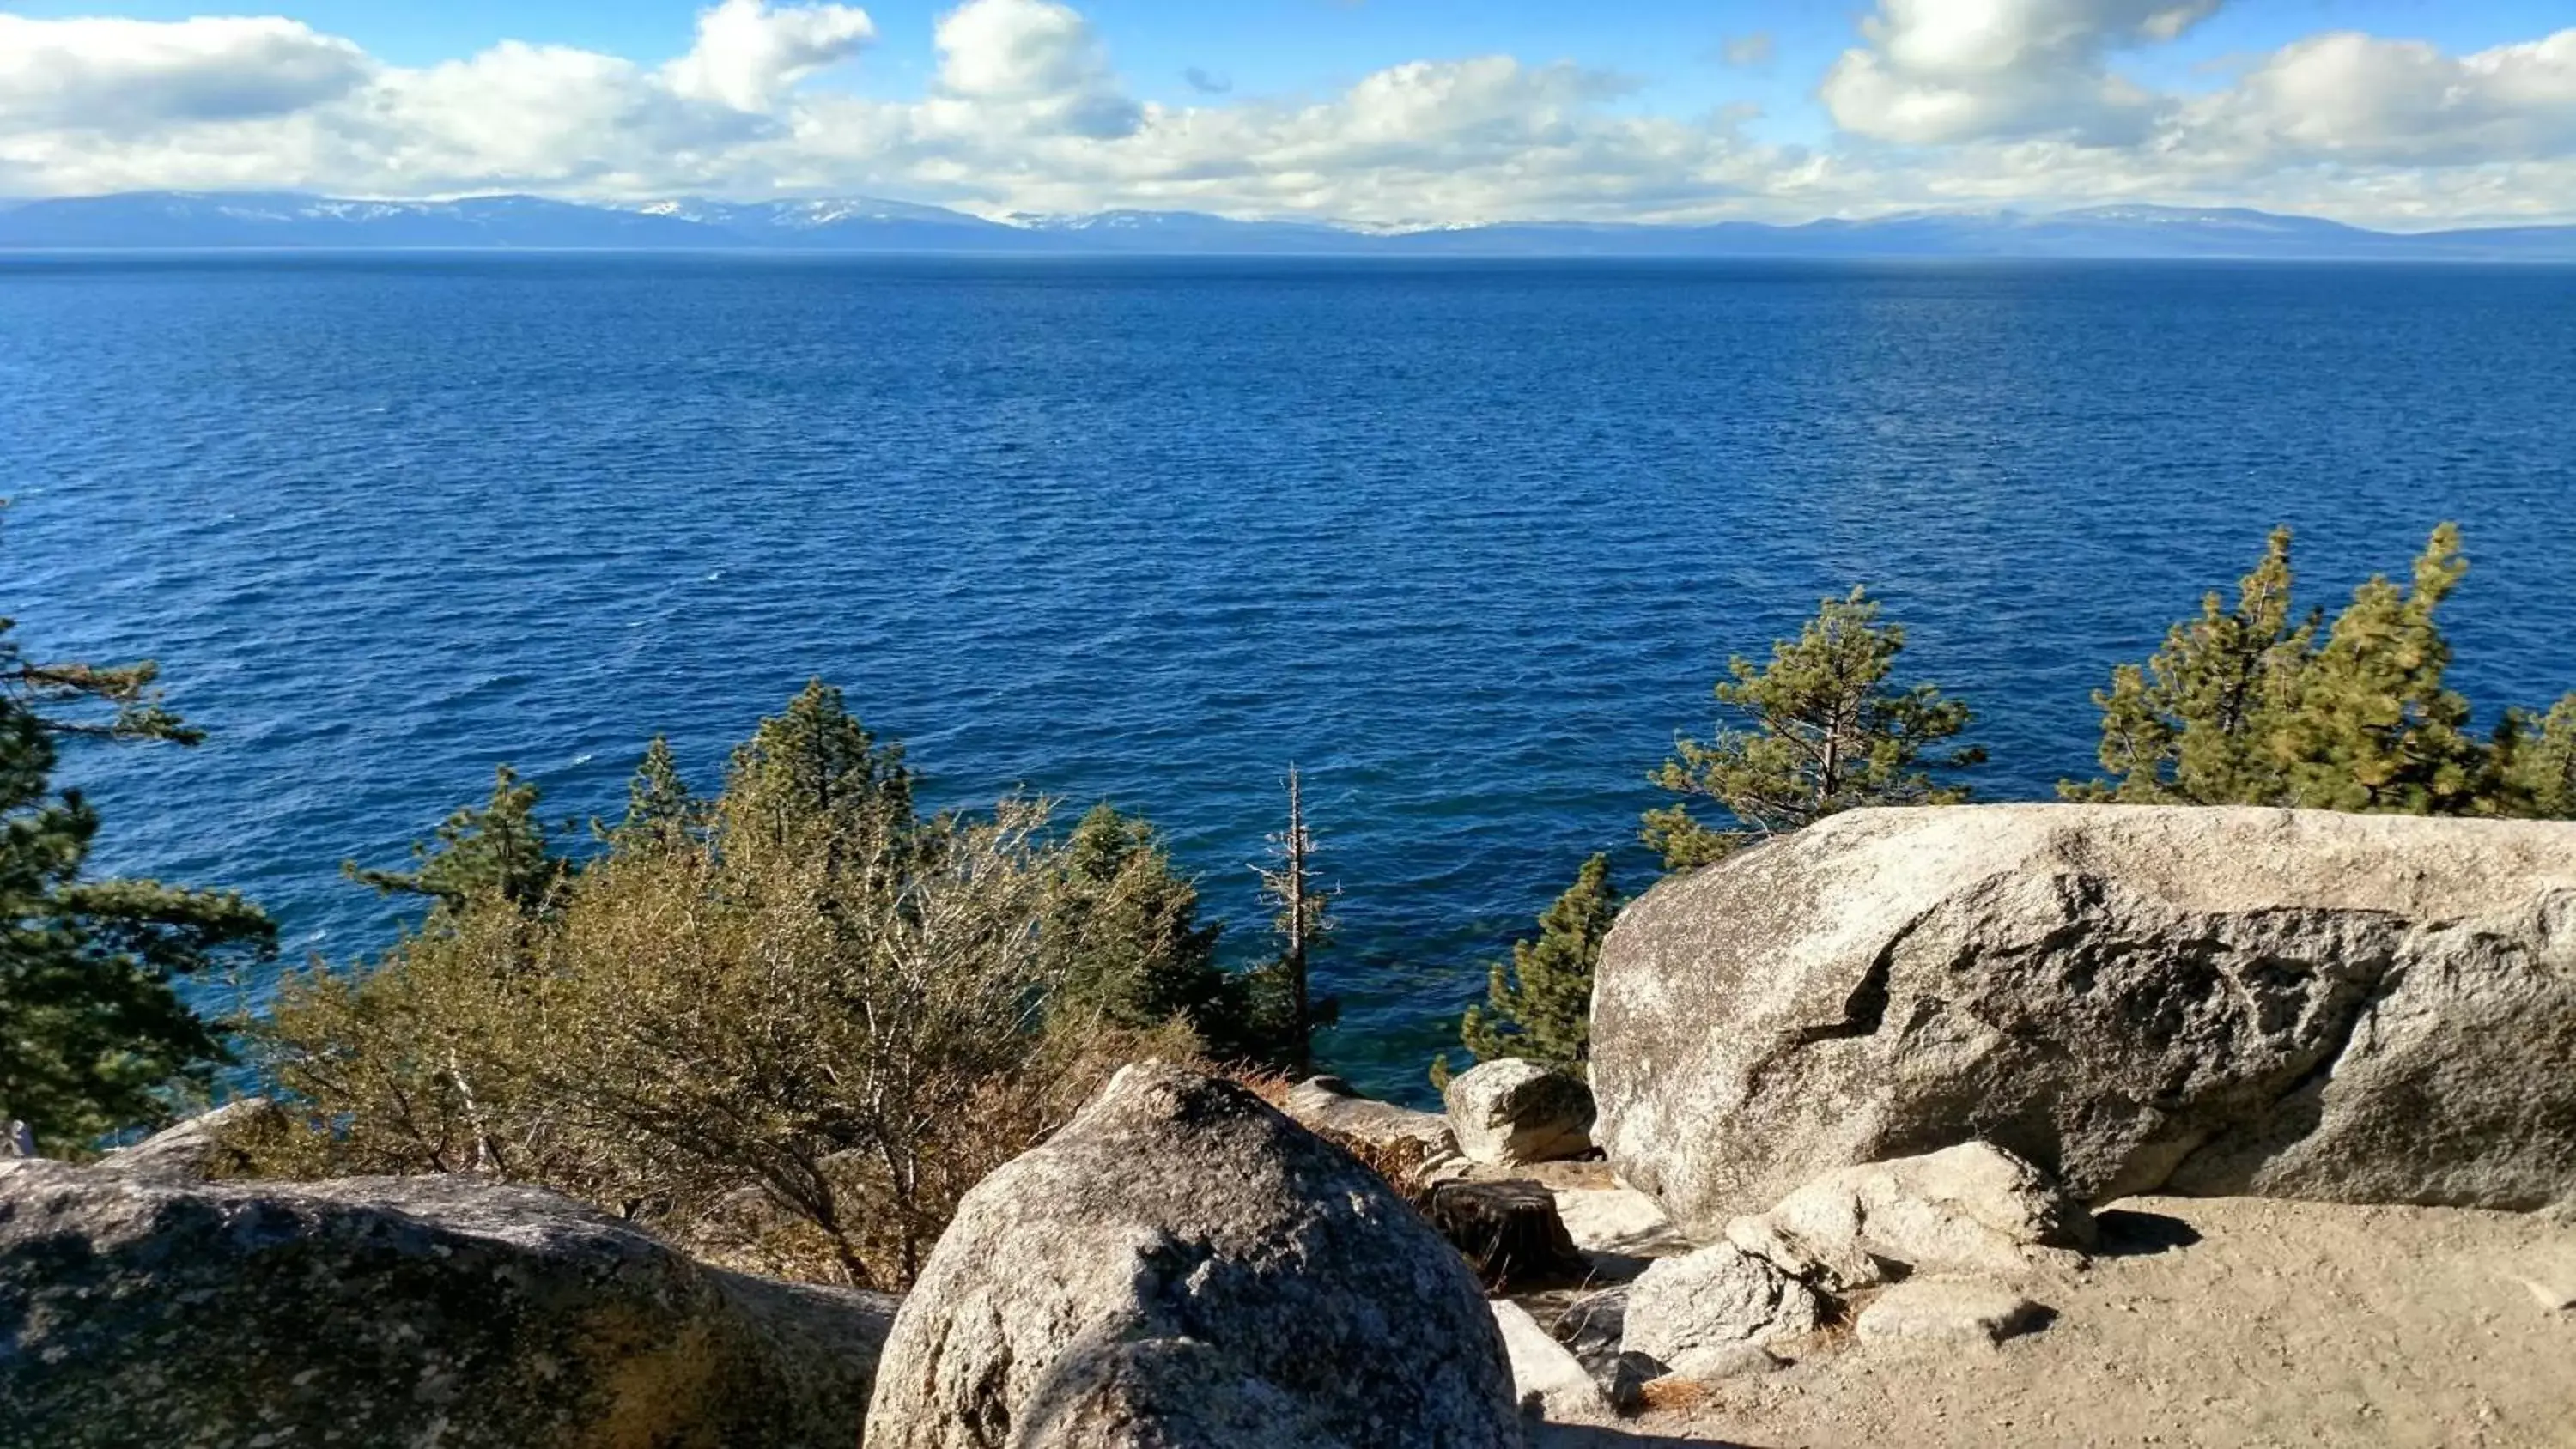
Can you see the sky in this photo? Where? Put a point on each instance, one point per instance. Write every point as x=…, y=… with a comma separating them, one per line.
x=2405, y=114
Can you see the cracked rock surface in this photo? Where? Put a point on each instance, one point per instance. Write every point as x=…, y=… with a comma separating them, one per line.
x=2279, y=1003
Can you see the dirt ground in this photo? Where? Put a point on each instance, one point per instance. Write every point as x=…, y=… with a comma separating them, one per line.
x=2232, y=1322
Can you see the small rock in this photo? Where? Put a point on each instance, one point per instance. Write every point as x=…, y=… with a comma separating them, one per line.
x=1593, y=1324
x=1717, y=1296
x=1546, y=1378
x=1973, y=1208
x=1623, y=1377
x=1618, y=1220
x=1962, y=1310
x=1334, y=1107
x=1726, y=1361
x=1514, y=1112
x=2552, y=1284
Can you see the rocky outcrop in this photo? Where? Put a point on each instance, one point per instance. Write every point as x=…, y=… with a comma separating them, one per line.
x=1512, y=1112
x=1185, y=1268
x=1974, y=1208
x=1715, y=1298
x=142, y=1308
x=199, y=1149
x=1335, y=1108
x=2294, y=1004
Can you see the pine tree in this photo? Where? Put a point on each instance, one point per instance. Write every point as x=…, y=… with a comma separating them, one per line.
x=499, y=848
x=1124, y=926
x=1540, y=1007
x=1286, y=1012
x=1827, y=733
x=2246, y=707
x=2198, y=724
x=661, y=811
x=2535, y=772
x=814, y=767
x=2376, y=728
x=93, y=1033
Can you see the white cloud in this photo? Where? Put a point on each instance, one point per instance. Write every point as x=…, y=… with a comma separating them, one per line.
x=1032, y=66
x=128, y=76
x=1987, y=102
x=2357, y=99
x=1939, y=71
x=748, y=56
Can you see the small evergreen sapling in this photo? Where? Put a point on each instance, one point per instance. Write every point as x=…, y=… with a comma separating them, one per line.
x=1539, y=1008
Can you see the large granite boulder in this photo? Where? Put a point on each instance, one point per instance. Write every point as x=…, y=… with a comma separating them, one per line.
x=137, y=1308
x=2202, y=1001
x=1511, y=1112
x=1184, y=1268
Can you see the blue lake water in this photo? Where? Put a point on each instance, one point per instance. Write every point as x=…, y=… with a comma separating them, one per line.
x=1467, y=541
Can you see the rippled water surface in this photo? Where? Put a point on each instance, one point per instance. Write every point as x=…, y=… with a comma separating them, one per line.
x=1467, y=541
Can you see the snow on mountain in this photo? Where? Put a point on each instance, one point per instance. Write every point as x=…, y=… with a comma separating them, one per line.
x=178, y=219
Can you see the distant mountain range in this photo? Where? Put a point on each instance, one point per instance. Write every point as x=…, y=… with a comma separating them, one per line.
x=177, y=220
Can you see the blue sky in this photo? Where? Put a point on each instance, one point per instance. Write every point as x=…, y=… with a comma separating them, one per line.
x=1392, y=111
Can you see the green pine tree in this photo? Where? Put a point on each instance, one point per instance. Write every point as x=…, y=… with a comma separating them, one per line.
x=2376, y=728
x=1540, y=1007
x=1124, y=925
x=814, y=766
x=1824, y=731
x=93, y=1033
x=2255, y=706
x=499, y=848
x=661, y=811
x=2199, y=723
x=2536, y=763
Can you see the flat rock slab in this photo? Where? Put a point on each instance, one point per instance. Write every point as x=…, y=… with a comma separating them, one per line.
x=1953, y=1310
x=1547, y=1378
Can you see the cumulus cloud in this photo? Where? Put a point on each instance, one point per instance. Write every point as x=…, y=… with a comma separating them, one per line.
x=748, y=55
x=132, y=75
x=1032, y=65
x=1941, y=102
x=2355, y=98
x=1939, y=71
